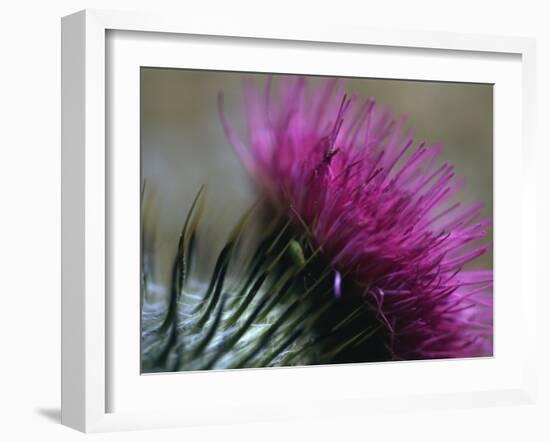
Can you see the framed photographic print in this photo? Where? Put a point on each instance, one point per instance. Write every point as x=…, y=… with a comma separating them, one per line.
x=273, y=222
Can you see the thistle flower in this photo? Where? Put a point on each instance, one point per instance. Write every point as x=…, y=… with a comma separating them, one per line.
x=379, y=207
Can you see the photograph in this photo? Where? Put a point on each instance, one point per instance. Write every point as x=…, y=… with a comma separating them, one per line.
x=296, y=221
x=300, y=220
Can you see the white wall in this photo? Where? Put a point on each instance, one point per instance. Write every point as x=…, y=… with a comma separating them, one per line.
x=30, y=215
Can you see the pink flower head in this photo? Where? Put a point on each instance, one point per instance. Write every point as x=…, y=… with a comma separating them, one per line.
x=381, y=208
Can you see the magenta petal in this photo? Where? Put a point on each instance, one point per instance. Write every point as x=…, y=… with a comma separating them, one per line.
x=337, y=284
x=382, y=207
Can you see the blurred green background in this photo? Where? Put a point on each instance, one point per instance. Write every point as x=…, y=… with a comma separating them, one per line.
x=183, y=145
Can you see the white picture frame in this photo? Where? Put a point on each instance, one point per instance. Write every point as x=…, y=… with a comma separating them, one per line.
x=90, y=327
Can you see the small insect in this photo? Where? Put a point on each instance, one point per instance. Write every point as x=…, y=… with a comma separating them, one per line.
x=327, y=159
x=296, y=253
x=329, y=153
